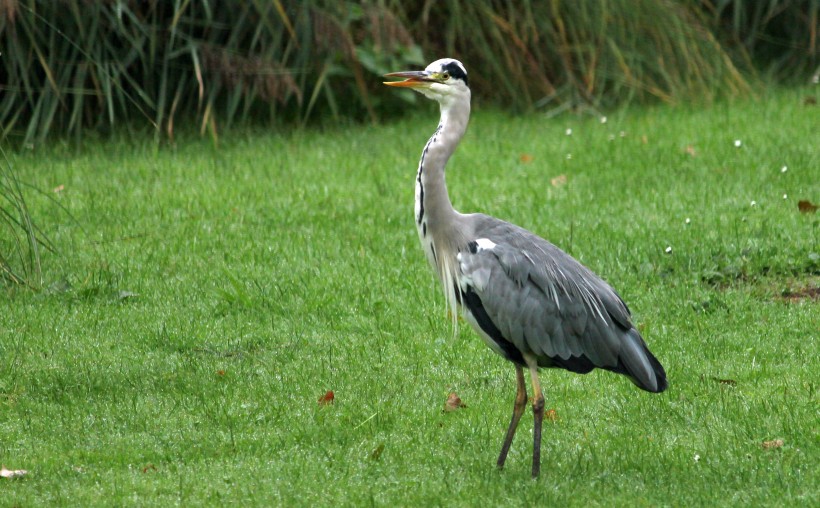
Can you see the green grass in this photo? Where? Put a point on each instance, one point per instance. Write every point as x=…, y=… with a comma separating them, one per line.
x=205, y=298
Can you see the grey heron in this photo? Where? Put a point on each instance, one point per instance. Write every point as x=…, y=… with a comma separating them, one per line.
x=531, y=302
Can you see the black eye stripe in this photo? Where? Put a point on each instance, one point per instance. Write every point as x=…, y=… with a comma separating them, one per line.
x=456, y=71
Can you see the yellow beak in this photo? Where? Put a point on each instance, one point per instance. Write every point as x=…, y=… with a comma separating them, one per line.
x=415, y=79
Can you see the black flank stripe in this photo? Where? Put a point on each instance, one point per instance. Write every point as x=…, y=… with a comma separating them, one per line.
x=578, y=364
x=473, y=303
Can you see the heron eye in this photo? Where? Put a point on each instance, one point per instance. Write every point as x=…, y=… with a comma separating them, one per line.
x=445, y=75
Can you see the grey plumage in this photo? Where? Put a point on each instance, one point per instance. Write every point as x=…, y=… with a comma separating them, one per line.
x=547, y=304
x=531, y=302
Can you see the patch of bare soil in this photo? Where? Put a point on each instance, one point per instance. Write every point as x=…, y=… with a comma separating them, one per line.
x=797, y=295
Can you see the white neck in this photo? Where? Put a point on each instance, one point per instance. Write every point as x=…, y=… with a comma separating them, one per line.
x=436, y=219
x=433, y=206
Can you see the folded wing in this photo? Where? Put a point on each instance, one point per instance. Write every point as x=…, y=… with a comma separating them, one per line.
x=542, y=302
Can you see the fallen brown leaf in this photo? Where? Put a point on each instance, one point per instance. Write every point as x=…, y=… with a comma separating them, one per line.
x=730, y=382
x=149, y=467
x=377, y=452
x=774, y=443
x=691, y=150
x=806, y=206
x=559, y=180
x=808, y=293
x=220, y=372
x=453, y=403
x=59, y=189
x=551, y=415
x=526, y=158
x=327, y=398
x=12, y=473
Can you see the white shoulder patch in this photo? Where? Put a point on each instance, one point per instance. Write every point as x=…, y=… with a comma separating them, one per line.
x=485, y=244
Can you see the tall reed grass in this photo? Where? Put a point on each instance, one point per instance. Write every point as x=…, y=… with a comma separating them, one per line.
x=70, y=66
x=22, y=239
x=74, y=65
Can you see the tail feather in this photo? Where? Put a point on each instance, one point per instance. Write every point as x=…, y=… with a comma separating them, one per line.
x=640, y=365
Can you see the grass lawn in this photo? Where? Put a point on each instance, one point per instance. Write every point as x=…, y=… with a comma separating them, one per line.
x=205, y=298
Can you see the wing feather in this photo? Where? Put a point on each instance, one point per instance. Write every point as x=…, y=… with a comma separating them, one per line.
x=547, y=304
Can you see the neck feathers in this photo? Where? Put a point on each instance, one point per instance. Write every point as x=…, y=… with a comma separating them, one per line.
x=436, y=219
x=433, y=205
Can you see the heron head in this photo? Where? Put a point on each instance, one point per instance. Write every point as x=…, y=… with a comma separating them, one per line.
x=442, y=79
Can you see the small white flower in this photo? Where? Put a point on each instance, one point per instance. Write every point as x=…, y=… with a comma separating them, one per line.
x=569, y=156
x=603, y=119
x=738, y=143
x=569, y=132
x=784, y=169
x=753, y=203
x=623, y=134
x=785, y=196
x=612, y=137
x=668, y=249
x=696, y=457
x=687, y=221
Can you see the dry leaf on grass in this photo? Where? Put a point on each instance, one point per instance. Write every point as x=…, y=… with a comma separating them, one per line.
x=453, y=403
x=377, y=452
x=691, y=150
x=551, y=415
x=327, y=398
x=12, y=473
x=806, y=206
x=730, y=382
x=794, y=296
x=559, y=180
x=774, y=443
x=526, y=158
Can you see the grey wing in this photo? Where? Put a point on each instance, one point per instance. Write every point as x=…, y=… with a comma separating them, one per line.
x=522, y=290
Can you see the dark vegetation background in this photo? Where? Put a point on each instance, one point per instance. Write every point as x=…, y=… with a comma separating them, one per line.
x=79, y=68
x=70, y=66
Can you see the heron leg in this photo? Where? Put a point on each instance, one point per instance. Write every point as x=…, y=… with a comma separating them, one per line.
x=518, y=410
x=538, y=417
